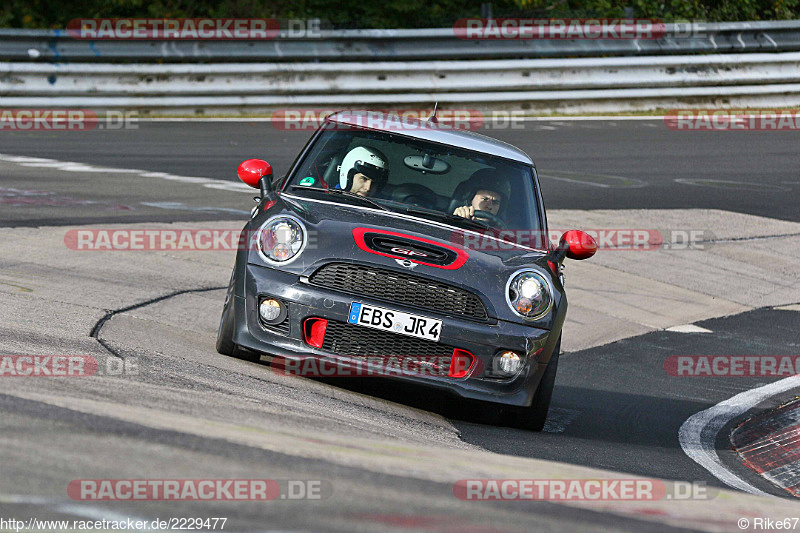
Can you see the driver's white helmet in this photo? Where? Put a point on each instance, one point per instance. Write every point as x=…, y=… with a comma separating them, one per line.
x=368, y=161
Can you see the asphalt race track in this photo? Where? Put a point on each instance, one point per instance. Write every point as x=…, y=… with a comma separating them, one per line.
x=632, y=425
x=622, y=164
x=388, y=456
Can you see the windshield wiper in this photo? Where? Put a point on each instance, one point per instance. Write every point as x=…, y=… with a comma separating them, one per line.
x=454, y=219
x=342, y=192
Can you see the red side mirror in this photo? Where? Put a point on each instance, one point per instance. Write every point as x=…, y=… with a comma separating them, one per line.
x=578, y=244
x=252, y=170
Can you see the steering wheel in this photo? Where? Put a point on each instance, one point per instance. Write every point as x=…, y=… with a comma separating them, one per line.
x=491, y=218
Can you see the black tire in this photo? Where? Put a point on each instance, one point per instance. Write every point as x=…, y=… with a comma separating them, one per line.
x=534, y=417
x=225, y=344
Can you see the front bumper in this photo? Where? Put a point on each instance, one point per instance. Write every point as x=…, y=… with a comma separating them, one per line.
x=483, y=340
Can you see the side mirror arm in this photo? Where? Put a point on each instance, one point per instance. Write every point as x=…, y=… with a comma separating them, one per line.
x=266, y=186
x=557, y=256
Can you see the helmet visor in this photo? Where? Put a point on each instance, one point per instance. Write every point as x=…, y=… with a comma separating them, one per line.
x=371, y=171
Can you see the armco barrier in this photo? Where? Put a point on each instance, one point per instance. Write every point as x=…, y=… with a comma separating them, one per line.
x=565, y=85
x=241, y=79
x=397, y=45
x=57, y=74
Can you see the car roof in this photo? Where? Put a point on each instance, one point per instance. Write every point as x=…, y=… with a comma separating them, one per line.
x=422, y=129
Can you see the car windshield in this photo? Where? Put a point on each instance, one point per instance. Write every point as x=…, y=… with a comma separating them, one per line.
x=440, y=182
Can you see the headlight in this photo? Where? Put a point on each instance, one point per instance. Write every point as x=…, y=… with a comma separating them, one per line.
x=529, y=295
x=281, y=239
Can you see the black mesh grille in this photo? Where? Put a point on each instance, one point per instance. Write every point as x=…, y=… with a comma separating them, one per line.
x=401, y=288
x=342, y=338
x=283, y=327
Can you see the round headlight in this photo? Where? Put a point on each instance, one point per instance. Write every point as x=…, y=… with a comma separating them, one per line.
x=281, y=239
x=529, y=294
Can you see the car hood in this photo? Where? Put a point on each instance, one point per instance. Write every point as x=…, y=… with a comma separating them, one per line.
x=336, y=234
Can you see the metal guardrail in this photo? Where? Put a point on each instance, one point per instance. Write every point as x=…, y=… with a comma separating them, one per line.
x=360, y=80
x=399, y=69
x=565, y=85
x=397, y=45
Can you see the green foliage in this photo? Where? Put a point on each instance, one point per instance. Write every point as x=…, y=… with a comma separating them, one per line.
x=393, y=14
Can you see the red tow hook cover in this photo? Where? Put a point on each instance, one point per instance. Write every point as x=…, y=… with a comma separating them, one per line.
x=461, y=363
x=314, y=331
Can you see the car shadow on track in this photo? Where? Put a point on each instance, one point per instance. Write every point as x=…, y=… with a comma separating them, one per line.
x=633, y=432
x=599, y=415
x=418, y=397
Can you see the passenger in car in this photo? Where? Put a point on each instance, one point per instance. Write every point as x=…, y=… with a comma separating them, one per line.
x=363, y=171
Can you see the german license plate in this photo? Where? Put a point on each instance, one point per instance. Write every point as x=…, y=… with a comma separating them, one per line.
x=390, y=320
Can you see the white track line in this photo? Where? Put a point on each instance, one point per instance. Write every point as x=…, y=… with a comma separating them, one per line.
x=70, y=166
x=698, y=434
x=688, y=328
x=572, y=118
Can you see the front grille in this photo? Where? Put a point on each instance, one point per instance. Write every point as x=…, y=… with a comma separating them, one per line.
x=283, y=327
x=342, y=338
x=397, y=287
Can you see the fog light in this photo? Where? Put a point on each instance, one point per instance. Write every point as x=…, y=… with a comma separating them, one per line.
x=508, y=363
x=270, y=310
